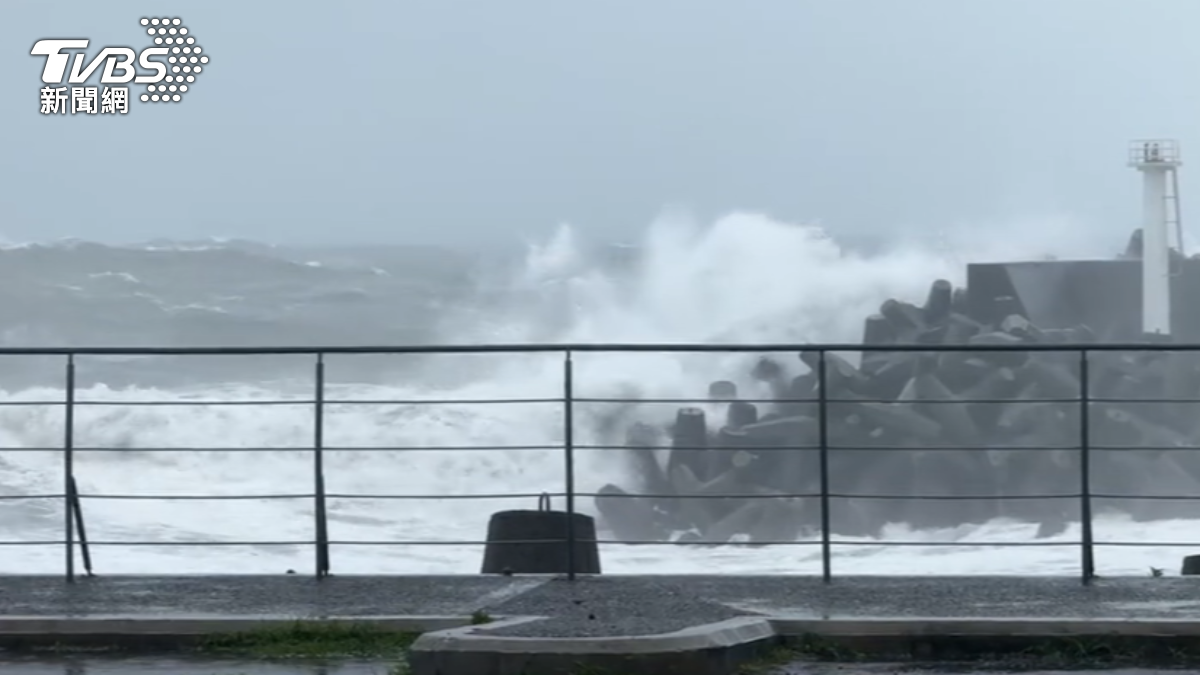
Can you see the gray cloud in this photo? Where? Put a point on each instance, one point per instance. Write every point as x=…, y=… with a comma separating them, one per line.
x=477, y=121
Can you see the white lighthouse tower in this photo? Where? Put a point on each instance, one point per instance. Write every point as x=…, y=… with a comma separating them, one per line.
x=1158, y=160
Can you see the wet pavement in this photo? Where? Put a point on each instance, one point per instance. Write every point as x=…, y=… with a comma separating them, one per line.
x=793, y=597
x=617, y=601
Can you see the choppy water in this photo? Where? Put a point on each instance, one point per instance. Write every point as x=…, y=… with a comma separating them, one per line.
x=744, y=278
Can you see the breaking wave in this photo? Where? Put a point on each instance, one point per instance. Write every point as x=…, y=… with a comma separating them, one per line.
x=743, y=278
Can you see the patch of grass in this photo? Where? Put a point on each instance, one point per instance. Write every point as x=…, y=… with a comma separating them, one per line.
x=311, y=640
x=1097, y=652
x=1002, y=652
x=584, y=669
x=769, y=662
x=820, y=648
x=810, y=647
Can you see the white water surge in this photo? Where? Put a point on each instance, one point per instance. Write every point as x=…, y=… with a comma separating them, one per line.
x=745, y=279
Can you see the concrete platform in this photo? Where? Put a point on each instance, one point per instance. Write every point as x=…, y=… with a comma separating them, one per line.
x=712, y=649
x=705, y=624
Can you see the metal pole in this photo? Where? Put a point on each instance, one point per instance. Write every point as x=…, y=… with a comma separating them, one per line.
x=322, y=523
x=569, y=450
x=823, y=432
x=1087, y=543
x=69, y=466
x=83, y=540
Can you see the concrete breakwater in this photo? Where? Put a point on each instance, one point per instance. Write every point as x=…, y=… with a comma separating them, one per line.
x=932, y=439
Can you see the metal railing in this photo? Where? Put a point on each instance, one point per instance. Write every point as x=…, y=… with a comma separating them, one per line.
x=76, y=536
x=1154, y=150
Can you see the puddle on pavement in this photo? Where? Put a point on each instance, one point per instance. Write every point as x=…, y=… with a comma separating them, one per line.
x=155, y=666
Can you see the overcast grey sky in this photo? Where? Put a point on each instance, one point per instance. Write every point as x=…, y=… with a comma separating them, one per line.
x=442, y=121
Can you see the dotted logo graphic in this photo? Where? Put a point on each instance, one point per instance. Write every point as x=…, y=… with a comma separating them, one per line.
x=185, y=62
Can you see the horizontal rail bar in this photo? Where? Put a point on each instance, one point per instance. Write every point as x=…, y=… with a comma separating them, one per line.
x=757, y=449
x=608, y=542
x=407, y=448
x=546, y=401
x=900, y=448
x=331, y=495
x=882, y=497
x=181, y=402
x=627, y=495
x=851, y=448
x=616, y=496
x=883, y=401
x=543, y=348
x=443, y=401
x=895, y=448
x=302, y=401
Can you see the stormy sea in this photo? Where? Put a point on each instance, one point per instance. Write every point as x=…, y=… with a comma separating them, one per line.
x=741, y=278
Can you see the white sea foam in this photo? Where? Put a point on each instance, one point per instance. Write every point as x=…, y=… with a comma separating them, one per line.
x=745, y=278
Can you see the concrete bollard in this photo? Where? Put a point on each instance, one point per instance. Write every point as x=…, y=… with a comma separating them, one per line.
x=535, y=542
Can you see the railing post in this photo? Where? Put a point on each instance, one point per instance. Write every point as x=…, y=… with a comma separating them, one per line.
x=69, y=467
x=322, y=521
x=823, y=440
x=1086, y=539
x=569, y=458
x=79, y=527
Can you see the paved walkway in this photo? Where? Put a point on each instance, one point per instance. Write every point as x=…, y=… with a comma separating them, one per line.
x=696, y=624
x=606, y=605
